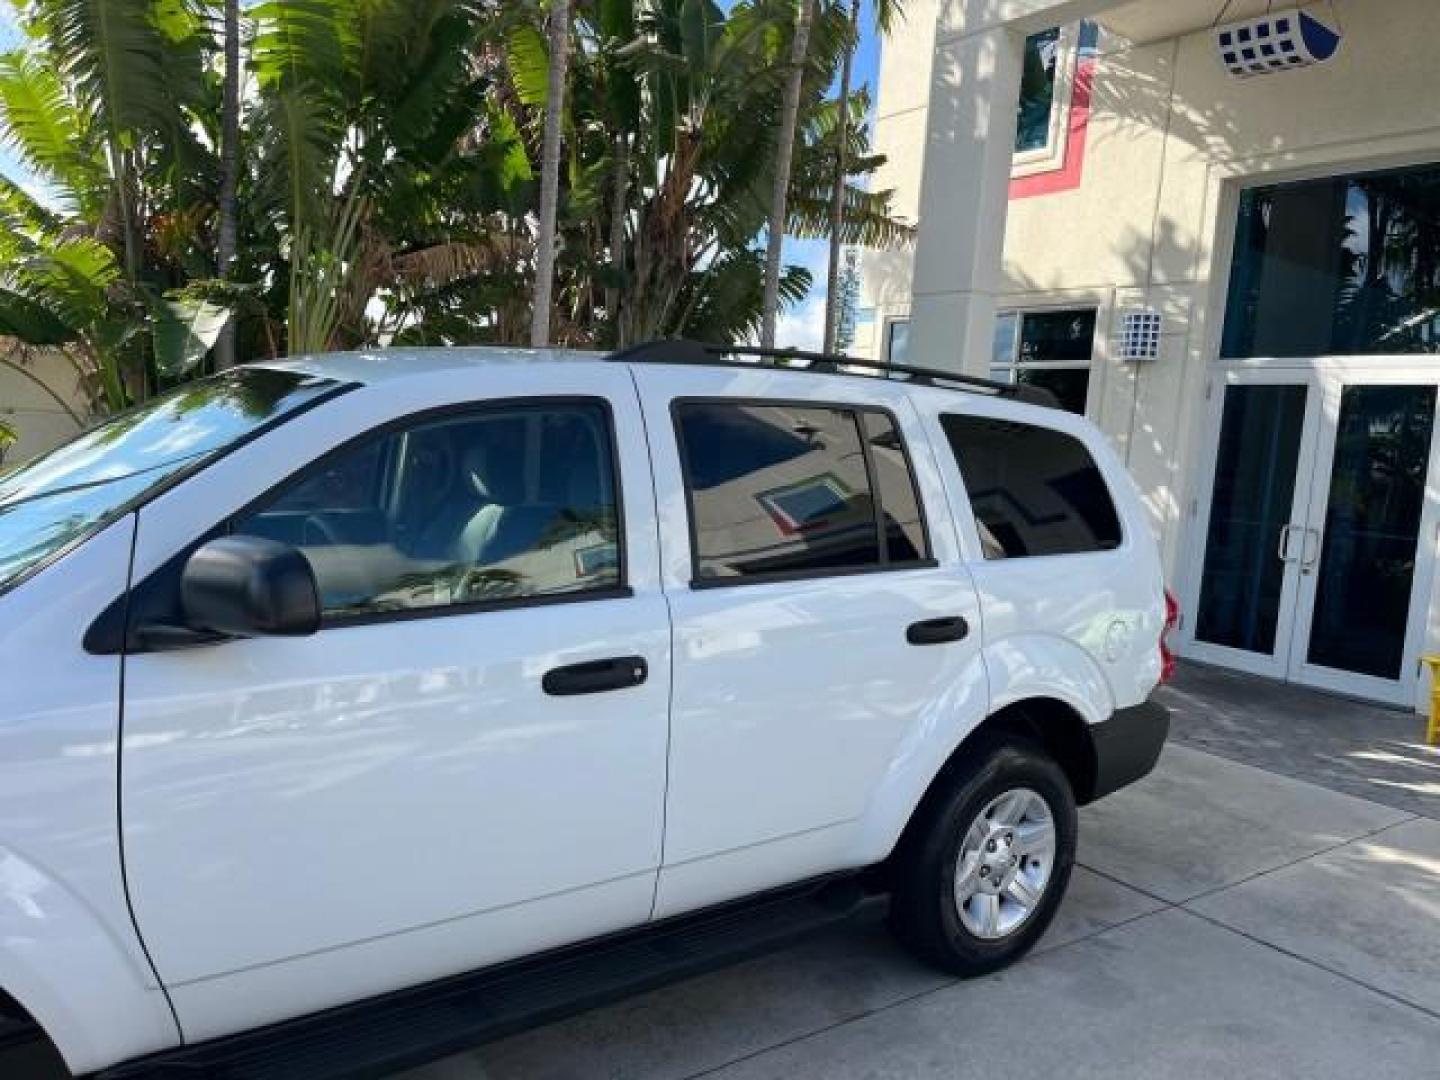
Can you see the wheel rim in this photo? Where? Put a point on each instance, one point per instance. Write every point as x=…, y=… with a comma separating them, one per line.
x=1005, y=864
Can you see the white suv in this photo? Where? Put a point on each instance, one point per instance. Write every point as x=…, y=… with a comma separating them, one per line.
x=324, y=683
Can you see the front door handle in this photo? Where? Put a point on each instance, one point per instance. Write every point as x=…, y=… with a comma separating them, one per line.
x=937, y=631
x=596, y=676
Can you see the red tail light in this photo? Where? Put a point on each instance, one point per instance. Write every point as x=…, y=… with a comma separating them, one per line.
x=1172, y=620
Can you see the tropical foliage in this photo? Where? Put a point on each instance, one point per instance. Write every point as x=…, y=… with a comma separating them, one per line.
x=384, y=184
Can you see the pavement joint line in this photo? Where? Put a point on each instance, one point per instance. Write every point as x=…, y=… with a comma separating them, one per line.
x=1295, y=862
x=949, y=984
x=1166, y=905
x=1236, y=759
x=1353, y=980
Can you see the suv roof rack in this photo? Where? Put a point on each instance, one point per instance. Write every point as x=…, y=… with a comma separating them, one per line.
x=685, y=351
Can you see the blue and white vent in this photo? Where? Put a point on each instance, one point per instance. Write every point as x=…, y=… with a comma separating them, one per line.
x=1275, y=41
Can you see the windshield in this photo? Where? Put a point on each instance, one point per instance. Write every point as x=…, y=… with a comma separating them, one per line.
x=58, y=498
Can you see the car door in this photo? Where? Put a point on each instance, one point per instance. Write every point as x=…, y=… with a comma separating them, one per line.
x=826, y=633
x=465, y=764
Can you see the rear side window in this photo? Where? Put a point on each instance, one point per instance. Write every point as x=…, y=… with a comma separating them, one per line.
x=1035, y=491
x=796, y=490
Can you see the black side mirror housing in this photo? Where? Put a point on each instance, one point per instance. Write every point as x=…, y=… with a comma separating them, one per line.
x=247, y=586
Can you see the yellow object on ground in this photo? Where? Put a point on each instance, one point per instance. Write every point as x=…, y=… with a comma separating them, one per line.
x=1432, y=730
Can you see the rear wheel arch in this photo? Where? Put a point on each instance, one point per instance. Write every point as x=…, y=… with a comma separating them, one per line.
x=1049, y=724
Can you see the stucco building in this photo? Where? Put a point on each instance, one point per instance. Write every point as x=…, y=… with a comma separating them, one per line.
x=1237, y=278
x=40, y=399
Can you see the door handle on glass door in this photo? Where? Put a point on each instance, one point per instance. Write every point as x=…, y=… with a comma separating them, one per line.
x=596, y=676
x=1282, y=549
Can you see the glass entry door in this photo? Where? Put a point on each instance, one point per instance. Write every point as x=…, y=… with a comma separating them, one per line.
x=1312, y=565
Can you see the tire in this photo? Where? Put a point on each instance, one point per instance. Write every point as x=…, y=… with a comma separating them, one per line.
x=978, y=924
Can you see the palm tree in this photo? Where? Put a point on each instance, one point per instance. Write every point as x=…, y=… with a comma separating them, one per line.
x=229, y=171
x=550, y=173
x=785, y=149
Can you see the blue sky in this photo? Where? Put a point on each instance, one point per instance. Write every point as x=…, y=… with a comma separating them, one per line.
x=799, y=328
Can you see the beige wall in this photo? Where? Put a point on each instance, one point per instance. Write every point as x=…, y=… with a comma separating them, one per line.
x=1171, y=142
x=37, y=418
x=1172, y=138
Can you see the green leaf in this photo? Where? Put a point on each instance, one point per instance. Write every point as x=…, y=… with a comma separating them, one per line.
x=114, y=58
x=31, y=322
x=45, y=129
x=183, y=331
x=528, y=57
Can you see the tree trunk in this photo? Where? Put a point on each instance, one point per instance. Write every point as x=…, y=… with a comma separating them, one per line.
x=837, y=197
x=550, y=173
x=619, y=200
x=229, y=173
x=784, y=154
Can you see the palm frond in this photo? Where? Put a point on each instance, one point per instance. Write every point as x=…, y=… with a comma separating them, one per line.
x=40, y=123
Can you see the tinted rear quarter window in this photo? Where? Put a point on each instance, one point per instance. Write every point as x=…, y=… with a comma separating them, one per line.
x=1035, y=491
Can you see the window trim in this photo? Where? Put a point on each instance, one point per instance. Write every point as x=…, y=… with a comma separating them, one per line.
x=102, y=635
x=697, y=582
x=1050, y=156
x=985, y=560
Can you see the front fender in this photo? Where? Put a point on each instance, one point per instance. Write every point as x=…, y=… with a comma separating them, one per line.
x=63, y=966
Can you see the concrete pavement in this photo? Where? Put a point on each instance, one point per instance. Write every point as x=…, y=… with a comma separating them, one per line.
x=1226, y=921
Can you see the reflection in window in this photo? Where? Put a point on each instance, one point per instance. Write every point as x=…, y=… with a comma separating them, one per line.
x=786, y=489
x=1035, y=491
x=1037, y=90
x=904, y=525
x=505, y=503
x=1339, y=266
x=1047, y=349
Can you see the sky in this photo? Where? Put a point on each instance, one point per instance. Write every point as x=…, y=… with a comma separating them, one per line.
x=802, y=327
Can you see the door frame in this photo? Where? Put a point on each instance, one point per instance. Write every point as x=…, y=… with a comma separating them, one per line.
x=1325, y=379
x=1335, y=374
x=1273, y=665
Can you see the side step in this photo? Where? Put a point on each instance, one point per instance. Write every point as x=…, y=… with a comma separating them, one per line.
x=384, y=1035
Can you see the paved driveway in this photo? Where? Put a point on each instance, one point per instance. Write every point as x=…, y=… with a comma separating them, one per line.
x=1225, y=922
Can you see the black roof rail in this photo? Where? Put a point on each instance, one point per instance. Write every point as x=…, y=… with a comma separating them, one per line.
x=685, y=351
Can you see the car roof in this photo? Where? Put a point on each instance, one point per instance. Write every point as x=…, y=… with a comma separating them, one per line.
x=371, y=366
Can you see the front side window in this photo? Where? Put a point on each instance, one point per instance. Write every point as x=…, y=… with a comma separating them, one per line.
x=504, y=503
x=1035, y=491
x=1047, y=349
x=787, y=489
x=58, y=498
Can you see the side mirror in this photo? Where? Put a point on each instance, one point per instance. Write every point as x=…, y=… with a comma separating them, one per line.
x=246, y=586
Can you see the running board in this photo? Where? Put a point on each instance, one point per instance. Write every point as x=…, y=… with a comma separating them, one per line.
x=384, y=1035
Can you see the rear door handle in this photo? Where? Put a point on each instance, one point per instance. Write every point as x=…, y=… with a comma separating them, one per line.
x=937, y=631
x=596, y=676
